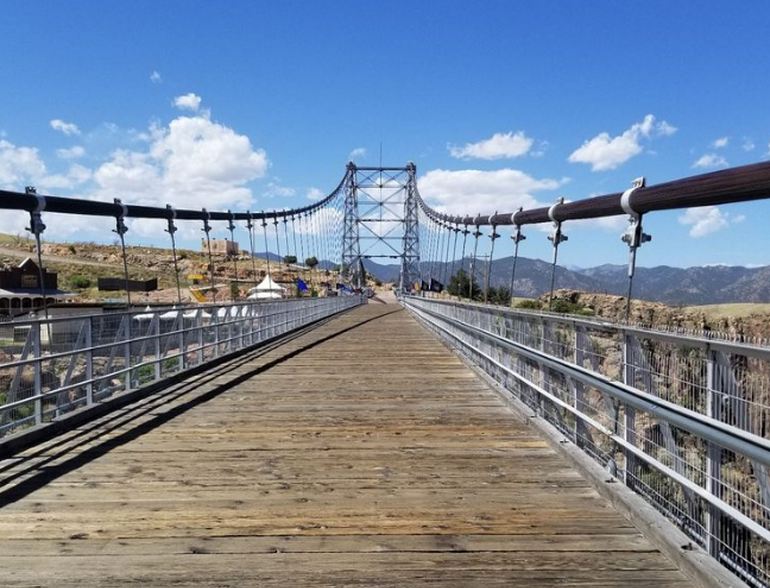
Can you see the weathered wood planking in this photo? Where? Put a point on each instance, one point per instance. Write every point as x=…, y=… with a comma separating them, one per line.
x=363, y=453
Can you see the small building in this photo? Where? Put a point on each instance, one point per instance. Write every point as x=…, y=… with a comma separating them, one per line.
x=221, y=247
x=20, y=289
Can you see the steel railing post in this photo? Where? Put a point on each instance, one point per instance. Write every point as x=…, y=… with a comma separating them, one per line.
x=629, y=419
x=89, y=361
x=713, y=458
x=38, y=371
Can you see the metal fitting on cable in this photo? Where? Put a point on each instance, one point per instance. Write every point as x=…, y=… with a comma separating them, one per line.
x=120, y=225
x=206, y=226
x=36, y=226
x=171, y=226
x=249, y=223
x=230, y=223
x=518, y=236
x=634, y=236
x=556, y=235
x=494, y=235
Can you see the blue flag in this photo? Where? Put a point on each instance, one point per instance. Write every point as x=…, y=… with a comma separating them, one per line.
x=301, y=285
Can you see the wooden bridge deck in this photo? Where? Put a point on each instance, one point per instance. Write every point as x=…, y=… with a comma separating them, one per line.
x=361, y=453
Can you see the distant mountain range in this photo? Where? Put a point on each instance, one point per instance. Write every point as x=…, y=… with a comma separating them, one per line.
x=670, y=285
x=714, y=284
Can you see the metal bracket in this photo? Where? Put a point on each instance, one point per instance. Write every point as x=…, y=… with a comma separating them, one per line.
x=634, y=236
x=556, y=237
x=171, y=226
x=120, y=226
x=230, y=224
x=517, y=237
x=206, y=226
x=36, y=226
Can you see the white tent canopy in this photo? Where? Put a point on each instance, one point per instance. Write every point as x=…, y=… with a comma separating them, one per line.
x=267, y=288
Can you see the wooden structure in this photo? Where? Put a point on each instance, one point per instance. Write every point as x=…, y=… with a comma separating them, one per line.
x=283, y=469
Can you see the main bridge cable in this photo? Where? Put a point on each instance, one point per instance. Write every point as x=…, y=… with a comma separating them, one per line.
x=739, y=184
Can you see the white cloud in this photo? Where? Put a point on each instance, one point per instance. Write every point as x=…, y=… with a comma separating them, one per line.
x=155, y=77
x=498, y=146
x=710, y=160
x=19, y=165
x=64, y=127
x=276, y=189
x=315, y=194
x=189, y=101
x=76, y=175
x=192, y=163
x=604, y=152
x=720, y=143
x=473, y=191
x=708, y=219
x=748, y=144
x=357, y=153
x=74, y=152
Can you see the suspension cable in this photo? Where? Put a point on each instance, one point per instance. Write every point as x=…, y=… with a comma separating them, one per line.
x=36, y=227
x=121, y=229
x=207, y=229
x=267, y=247
x=171, y=229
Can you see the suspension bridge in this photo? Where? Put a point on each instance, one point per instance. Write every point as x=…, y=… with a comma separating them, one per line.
x=335, y=440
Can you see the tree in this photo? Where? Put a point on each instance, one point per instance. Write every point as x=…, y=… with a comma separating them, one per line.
x=460, y=284
x=289, y=259
x=500, y=295
x=311, y=262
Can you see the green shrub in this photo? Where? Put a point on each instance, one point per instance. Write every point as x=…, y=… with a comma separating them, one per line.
x=80, y=282
x=529, y=304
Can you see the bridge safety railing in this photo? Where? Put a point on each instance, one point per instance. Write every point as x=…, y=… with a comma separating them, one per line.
x=50, y=368
x=682, y=420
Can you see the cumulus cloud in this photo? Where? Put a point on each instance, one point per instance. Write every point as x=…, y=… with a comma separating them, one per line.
x=74, y=152
x=276, y=189
x=710, y=160
x=473, y=191
x=357, y=153
x=315, y=194
x=605, y=152
x=720, y=143
x=194, y=162
x=155, y=77
x=708, y=219
x=498, y=146
x=748, y=144
x=64, y=127
x=189, y=101
x=75, y=176
x=19, y=166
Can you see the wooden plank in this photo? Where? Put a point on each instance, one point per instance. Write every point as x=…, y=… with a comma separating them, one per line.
x=361, y=453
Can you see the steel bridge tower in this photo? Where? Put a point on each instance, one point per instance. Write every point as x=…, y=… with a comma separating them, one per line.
x=380, y=221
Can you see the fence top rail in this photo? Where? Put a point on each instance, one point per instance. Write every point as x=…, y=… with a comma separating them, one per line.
x=701, y=342
x=207, y=307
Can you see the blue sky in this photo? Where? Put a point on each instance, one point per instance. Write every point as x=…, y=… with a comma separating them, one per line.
x=500, y=104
